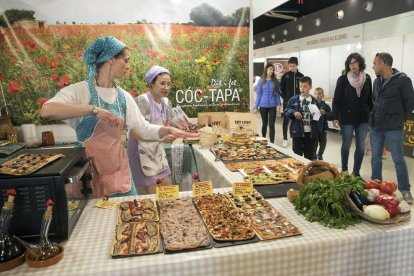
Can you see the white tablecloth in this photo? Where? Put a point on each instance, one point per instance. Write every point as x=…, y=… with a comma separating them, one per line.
x=217, y=172
x=364, y=249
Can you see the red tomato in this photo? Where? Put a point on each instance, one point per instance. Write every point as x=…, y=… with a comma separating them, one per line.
x=388, y=187
x=395, y=186
x=372, y=184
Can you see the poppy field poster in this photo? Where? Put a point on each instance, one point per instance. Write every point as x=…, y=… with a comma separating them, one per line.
x=204, y=44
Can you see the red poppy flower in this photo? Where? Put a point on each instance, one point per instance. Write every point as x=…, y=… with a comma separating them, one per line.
x=154, y=55
x=59, y=56
x=41, y=101
x=133, y=93
x=13, y=87
x=43, y=60
x=55, y=77
x=199, y=93
x=158, y=181
x=53, y=64
x=66, y=80
x=60, y=84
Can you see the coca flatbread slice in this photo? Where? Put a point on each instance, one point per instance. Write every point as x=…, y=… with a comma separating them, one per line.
x=28, y=163
x=180, y=226
x=137, y=210
x=136, y=238
x=223, y=221
x=267, y=222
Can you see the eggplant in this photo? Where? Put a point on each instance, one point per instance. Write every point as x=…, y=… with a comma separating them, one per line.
x=358, y=199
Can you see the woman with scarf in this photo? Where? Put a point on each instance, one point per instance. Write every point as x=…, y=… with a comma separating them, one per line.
x=99, y=110
x=148, y=160
x=351, y=106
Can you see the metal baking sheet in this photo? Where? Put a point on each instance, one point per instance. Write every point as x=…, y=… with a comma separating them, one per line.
x=218, y=244
x=276, y=190
x=282, y=156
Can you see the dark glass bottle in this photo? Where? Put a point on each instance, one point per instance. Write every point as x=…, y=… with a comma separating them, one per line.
x=10, y=248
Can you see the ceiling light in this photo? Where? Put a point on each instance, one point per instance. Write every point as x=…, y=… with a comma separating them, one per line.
x=263, y=39
x=317, y=22
x=368, y=5
x=254, y=42
x=299, y=27
x=285, y=32
x=340, y=14
x=273, y=36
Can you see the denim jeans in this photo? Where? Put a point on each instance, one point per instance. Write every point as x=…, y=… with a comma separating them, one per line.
x=395, y=140
x=347, y=131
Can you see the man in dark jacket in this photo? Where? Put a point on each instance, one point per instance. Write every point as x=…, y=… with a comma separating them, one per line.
x=393, y=97
x=289, y=87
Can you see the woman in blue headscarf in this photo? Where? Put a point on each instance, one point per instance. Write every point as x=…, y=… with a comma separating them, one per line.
x=99, y=110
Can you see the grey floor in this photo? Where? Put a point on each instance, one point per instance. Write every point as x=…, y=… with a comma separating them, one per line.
x=333, y=154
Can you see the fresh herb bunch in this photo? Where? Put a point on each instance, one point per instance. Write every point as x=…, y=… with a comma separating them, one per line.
x=323, y=200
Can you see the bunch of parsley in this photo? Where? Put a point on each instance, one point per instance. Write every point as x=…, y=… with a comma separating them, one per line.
x=323, y=200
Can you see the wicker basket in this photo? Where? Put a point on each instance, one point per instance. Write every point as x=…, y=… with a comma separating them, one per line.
x=316, y=170
x=398, y=218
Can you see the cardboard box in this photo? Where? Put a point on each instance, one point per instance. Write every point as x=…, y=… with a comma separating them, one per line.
x=212, y=119
x=245, y=119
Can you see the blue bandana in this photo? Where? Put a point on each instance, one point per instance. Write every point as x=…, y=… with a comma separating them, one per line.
x=153, y=72
x=101, y=50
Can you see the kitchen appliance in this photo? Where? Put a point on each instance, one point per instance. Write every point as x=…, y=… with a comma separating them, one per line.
x=65, y=181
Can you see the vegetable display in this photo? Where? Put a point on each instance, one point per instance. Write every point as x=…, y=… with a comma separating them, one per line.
x=323, y=201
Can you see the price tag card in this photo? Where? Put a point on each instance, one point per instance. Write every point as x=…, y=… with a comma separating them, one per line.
x=242, y=188
x=202, y=188
x=105, y=204
x=167, y=192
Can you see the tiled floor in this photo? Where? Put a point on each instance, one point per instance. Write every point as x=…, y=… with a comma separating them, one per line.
x=333, y=155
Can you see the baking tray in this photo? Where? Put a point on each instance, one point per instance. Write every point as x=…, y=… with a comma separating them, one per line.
x=281, y=156
x=219, y=244
x=167, y=251
x=276, y=190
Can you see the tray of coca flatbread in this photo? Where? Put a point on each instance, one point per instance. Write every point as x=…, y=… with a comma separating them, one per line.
x=137, y=232
x=224, y=223
x=28, y=163
x=266, y=221
x=232, y=154
x=181, y=227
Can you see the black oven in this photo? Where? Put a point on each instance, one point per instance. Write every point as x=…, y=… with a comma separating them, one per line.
x=65, y=181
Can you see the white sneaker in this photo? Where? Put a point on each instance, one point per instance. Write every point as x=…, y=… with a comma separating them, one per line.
x=285, y=143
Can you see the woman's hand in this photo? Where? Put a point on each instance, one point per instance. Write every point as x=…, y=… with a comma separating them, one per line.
x=178, y=133
x=107, y=116
x=335, y=123
x=168, y=138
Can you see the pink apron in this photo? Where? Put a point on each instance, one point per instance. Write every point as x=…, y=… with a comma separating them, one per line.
x=110, y=167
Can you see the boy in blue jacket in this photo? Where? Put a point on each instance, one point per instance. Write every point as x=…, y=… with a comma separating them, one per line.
x=305, y=125
x=326, y=114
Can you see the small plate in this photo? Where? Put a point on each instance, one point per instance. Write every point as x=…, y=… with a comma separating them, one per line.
x=12, y=263
x=46, y=263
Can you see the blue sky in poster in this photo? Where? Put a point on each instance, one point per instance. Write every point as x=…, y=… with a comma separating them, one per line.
x=125, y=11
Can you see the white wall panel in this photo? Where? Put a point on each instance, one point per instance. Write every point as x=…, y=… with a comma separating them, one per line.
x=315, y=64
x=392, y=45
x=408, y=56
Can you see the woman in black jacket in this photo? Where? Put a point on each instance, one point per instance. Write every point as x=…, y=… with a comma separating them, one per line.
x=351, y=106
